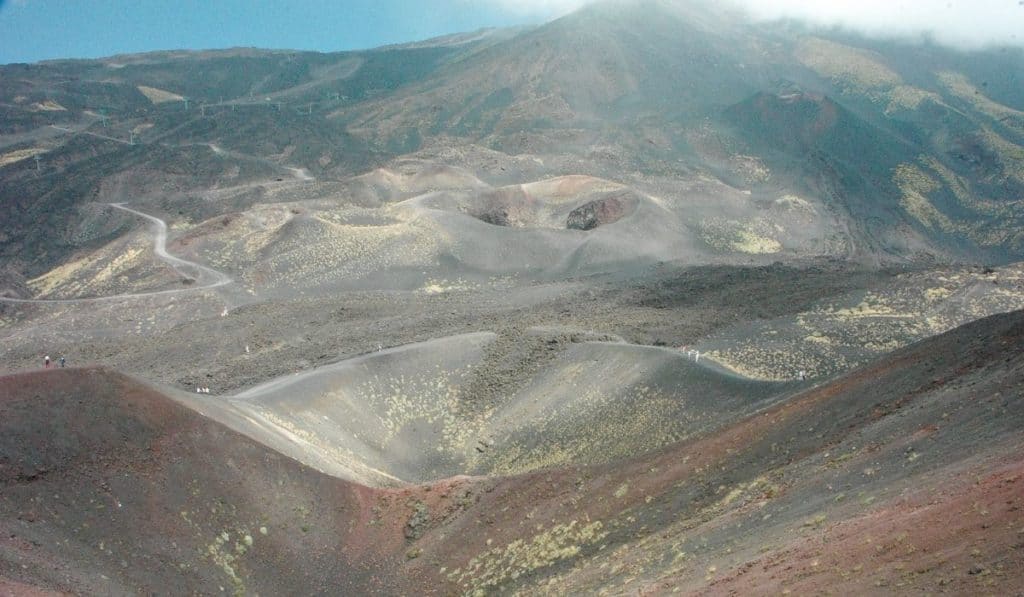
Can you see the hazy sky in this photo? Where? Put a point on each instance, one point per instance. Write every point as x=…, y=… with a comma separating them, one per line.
x=32, y=30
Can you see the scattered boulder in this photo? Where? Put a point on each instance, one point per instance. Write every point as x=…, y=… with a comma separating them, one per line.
x=417, y=523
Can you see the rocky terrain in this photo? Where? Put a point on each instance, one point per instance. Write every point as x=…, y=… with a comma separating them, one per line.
x=648, y=299
x=900, y=476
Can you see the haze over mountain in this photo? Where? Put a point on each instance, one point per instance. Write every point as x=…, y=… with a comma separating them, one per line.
x=914, y=149
x=651, y=297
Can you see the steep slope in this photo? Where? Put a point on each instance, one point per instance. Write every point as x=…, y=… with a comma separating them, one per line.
x=904, y=475
x=109, y=487
x=896, y=140
x=428, y=411
x=585, y=79
x=67, y=128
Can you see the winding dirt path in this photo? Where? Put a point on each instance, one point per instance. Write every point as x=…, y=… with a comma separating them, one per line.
x=207, y=277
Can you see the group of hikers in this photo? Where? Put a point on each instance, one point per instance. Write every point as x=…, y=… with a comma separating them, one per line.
x=47, y=363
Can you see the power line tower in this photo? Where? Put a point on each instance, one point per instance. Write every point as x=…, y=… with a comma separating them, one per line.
x=131, y=138
x=186, y=103
x=36, y=156
x=103, y=117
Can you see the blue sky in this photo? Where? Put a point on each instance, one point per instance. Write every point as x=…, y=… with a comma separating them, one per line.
x=32, y=30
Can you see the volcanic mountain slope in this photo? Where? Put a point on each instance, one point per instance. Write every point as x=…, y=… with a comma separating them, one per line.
x=419, y=222
x=904, y=474
x=842, y=332
x=907, y=469
x=913, y=151
x=659, y=89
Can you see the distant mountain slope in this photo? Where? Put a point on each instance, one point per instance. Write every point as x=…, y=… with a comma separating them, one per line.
x=918, y=150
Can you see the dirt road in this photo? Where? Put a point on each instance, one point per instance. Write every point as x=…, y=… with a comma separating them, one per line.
x=206, y=277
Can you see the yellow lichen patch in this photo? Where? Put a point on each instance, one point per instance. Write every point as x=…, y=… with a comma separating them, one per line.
x=906, y=97
x=734, y=361
x=496, y=566
x=751, y=169
x=48, y=106
x=516, y=460
x=755, y=244
x=959, y=187
x=915, y=185
x=429, y=399
x=618, y=426
x=20, y=154
x=88, y=273
x=730, y=235
x=871, y=306
x=819, y=339
x=1010, y=155
x=960, y=86
x=793, y=202
x=937, y=294
x=852, y=66
x=159, y=96
x=999, y=224
x=836, y=336
x=225, y=558
x=123, y=262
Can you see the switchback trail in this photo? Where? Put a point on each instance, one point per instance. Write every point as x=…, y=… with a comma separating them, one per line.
x=207, y=277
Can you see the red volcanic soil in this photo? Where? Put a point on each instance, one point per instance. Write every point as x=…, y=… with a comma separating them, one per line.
x=600, y=212
x=510, y=206
x=108, y=487
x=964, y=537
x=904, y=476
x=830, y=490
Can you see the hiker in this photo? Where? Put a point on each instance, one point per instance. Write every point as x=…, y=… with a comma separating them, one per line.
x=63, y=362
x=46, y=362
x=803, y=375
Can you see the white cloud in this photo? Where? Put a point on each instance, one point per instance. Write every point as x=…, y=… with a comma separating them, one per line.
x=963, y=23
x=970, y=23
